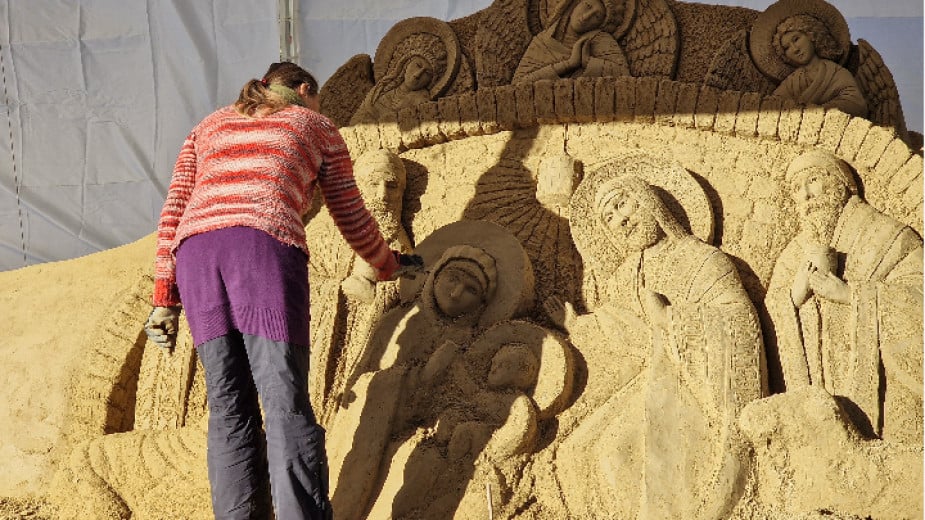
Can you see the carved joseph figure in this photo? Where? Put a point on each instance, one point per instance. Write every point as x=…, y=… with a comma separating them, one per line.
x=846, y=301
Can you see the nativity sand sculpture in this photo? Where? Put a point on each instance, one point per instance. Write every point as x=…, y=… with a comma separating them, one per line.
x=118, y=421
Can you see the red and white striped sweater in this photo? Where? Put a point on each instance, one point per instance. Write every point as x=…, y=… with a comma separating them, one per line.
x=261, y=173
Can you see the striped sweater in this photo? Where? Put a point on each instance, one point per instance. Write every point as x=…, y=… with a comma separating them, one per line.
x=261, y=173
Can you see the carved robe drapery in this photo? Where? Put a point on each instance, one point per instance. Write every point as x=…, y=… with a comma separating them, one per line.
x=824, y=83
x=703, y=369
x=844, y=347
x=699, y=373
x=607, y=58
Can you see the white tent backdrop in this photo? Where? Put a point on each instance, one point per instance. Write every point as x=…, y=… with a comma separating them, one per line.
x=96, y=96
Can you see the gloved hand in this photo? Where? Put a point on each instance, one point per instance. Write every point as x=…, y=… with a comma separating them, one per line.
x=161, y=326
x=409, y=266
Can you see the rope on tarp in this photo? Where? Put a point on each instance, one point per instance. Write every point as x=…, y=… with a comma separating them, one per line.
x=9, y=124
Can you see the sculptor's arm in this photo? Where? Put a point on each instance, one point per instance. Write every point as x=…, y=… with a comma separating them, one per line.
x=345, y=204
x=178, y=196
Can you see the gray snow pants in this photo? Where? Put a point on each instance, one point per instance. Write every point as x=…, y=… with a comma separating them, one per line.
x=238, y=369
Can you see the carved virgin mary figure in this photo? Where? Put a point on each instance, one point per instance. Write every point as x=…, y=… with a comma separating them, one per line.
x=478, y=275
x=579, y=42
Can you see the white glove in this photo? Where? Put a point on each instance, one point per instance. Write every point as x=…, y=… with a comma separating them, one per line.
x=161, y=326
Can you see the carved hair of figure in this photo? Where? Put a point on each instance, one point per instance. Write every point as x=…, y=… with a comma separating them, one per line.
x=579, y=41
x=824, y=43
x=805, y=42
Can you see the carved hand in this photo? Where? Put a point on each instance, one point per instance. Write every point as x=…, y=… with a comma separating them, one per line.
x=576, y=59
x=561, y=313
x=358, y=288
x=656, y=308
x=830, y=287
x=800, y=291
x=585, y=42
x=439, y=361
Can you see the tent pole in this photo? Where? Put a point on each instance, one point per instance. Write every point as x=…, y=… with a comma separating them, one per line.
x=288, y=17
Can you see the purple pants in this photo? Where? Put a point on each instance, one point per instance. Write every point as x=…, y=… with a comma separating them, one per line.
x=240, y=278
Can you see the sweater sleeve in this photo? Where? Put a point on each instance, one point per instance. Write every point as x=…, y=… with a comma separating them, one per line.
x=345, y=204
x=178, y=196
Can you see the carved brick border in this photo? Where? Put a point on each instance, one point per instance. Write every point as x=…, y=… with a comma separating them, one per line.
x=662, y=102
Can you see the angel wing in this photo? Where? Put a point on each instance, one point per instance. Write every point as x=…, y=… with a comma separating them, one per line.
x=877, y=86
x=501, y=40
x=652, y=42
x=345, y=90
x=732, y=68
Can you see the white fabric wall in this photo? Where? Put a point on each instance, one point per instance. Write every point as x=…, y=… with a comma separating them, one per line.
x=96, y=96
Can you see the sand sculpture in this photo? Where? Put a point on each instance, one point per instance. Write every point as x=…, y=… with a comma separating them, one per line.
x=671, y=288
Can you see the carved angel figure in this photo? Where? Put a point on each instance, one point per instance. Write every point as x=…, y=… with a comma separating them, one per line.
x=576, y=43
x=804, y=42
x=801, y=50
x=407, y=84
x=415, y=62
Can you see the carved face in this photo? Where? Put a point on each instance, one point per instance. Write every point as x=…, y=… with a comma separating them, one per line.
x=417, y=74
x=798, y=48
x=382, y=190
x=630, y=225
x=512, y=367
x=816, y=191
x=587, y=16
x=456, y=290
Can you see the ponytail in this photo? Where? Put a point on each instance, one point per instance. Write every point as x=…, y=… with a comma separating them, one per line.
x=258, y=94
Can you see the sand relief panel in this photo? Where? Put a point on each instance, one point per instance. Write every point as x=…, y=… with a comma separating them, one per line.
x=609, y=303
